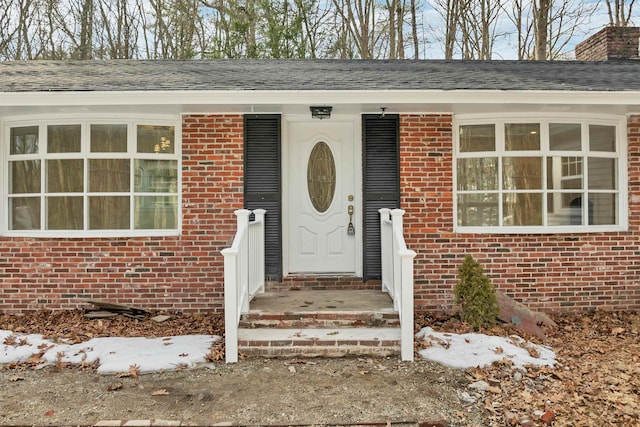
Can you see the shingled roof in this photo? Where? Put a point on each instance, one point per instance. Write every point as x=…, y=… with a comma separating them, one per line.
x=333, y=75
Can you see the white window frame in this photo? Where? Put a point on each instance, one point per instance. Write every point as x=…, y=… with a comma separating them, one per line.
x=131, y=154
x=620, y=124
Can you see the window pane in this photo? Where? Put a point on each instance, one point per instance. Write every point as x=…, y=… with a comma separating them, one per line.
x=156, y=176
x=478, y=174
x=23, y=140
x=522, y=173
x=24, y=177
x=522, y=136
x=24, y=213
x=564, y=209
x=521, y=209
x=564, y=173
x=476, y=210
x=64, y=213
x=477, y=138
x=65, y=176
x=563, y=136
x=602, y=173
x=603, y=209
x=156, y=212
x=63, y=139
x=155, y=139
x=602, y=138
x=109, y=212
x=109, y=175
x=108, y=138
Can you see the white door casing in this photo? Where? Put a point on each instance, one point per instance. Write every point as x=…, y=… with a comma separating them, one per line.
x=317, y=242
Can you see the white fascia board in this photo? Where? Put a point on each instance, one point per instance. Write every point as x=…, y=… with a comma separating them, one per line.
x=291, y=97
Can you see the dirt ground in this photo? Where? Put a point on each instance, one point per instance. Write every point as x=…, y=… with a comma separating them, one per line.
x=596, y=382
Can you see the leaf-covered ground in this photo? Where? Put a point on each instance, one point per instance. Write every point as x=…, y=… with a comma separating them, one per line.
x=596, y=381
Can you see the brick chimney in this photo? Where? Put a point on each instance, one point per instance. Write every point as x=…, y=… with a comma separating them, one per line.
x=610, y=43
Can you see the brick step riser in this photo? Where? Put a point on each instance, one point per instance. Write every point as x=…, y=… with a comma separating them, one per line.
x=269, y=349
x=319, y=320
x=308, y=323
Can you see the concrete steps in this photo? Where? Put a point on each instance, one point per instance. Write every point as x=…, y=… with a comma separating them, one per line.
x=333, y=323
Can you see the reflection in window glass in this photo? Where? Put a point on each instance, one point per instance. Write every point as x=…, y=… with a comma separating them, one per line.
x=156, y=139
x=65, y=213
x=602, y=173
x=522, y=136
x=540, y=174
x=565, y=137
x=23, y=140
x=109, y=175
x=478, y=210
x=475, y=138
x=24, y=177
x=91, y=177
x=64, y=139
x=522, y=209
x=522, y=173
x=108, y=138
x=65, y=176
x=478, y=174
x=109, y=212
x=156, y=176
x=602, y=138
x=156, y=212
x=24, y=213
x=603, y=208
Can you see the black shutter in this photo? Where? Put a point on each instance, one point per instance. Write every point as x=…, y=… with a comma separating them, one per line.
x=381, y=182
x=262, y=189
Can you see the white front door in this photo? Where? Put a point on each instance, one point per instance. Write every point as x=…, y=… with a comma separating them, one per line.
x=321, y=175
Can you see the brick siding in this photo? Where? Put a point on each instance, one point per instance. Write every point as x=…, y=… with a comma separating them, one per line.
x=557, y=272
x=174, y=273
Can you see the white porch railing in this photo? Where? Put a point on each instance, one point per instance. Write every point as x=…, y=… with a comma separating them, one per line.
x=397, y=274
x=243, y=275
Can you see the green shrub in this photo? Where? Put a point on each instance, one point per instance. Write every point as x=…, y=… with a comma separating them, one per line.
x=475, y=295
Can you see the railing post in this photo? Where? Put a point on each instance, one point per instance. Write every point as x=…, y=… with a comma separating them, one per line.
x=406, y=315
x=396, y=225
x=233, y=288
x=385, y=250
x=243, y=285
x=259, y=217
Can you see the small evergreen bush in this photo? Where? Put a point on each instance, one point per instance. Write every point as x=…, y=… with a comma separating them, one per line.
x=475, y=295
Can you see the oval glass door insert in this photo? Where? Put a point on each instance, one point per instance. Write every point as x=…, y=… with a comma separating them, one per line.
x=321, y=177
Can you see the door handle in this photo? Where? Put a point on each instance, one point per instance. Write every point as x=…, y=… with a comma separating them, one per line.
x=351, y=230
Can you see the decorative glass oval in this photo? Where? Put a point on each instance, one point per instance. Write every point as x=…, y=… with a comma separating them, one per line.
x=321, y=177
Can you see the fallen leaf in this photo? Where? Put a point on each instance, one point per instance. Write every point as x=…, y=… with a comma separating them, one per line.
x=114, y=387
x=160, y=392
x=49, y=412
x=16, y=378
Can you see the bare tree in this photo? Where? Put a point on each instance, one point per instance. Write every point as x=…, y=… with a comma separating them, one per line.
x=541, y=11
x=620, y=12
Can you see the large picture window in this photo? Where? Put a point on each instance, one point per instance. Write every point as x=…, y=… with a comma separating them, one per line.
x=548, y=175
x=119, y=178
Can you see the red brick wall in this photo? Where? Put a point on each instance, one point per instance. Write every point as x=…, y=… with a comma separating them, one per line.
x=174, y=273
x=554, y=272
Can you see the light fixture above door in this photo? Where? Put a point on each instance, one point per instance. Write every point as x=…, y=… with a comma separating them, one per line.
x=320, y=111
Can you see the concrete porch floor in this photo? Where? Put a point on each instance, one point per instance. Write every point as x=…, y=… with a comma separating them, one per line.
x=321, y=301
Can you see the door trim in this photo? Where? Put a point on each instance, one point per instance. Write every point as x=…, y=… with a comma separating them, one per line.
x=355, y=121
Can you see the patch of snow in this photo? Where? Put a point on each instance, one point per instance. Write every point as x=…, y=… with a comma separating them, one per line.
x=114, y=354
x=470, y=350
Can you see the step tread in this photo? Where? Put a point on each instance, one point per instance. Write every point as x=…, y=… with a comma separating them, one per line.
x=333, y=334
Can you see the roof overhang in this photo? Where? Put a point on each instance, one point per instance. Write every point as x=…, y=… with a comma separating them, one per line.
x=289, y=102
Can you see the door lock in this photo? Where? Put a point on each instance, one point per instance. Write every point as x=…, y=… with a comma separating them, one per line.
x=351, y=230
